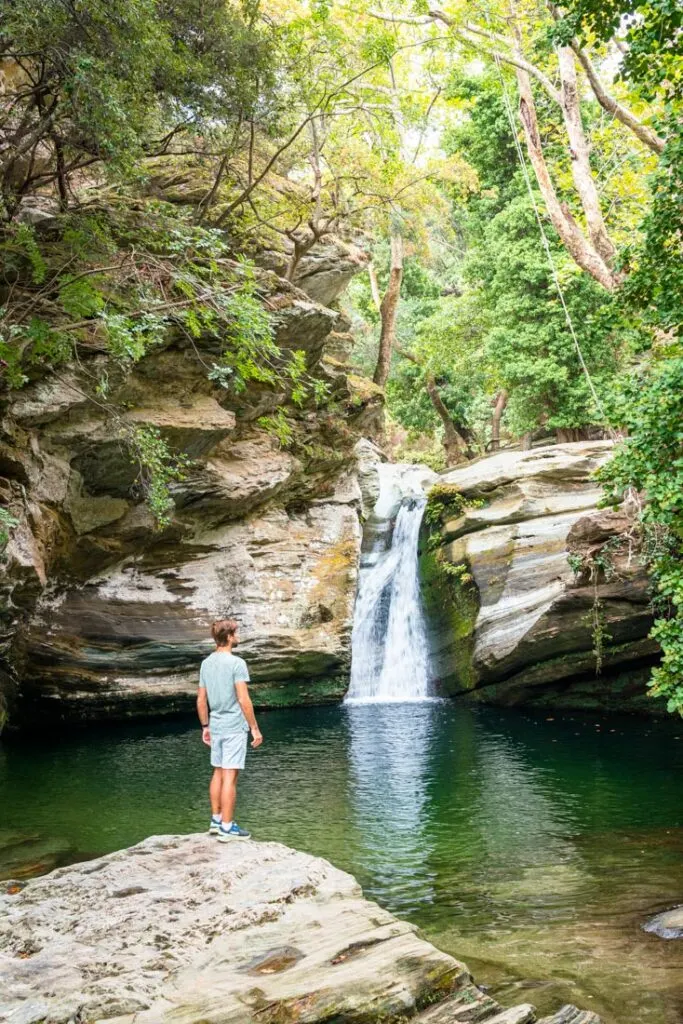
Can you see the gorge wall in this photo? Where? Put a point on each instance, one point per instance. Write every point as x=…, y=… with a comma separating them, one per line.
x=534, y=595
x=105, y=615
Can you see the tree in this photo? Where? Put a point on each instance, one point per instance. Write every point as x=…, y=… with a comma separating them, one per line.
x=507, y=36
x=648, y=466
x=109, y=83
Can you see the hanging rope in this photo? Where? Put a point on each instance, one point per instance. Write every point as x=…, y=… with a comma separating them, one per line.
x=544, y=238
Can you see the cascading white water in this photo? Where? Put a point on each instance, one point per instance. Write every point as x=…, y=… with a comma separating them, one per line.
x=389, y=647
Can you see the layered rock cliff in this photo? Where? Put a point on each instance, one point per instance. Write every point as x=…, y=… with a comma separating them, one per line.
x=535, y=595
x=103, y=613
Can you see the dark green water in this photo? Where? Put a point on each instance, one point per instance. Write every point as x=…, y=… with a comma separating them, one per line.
x=531, y=847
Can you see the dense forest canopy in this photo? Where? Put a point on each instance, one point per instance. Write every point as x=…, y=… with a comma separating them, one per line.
x=512, y=171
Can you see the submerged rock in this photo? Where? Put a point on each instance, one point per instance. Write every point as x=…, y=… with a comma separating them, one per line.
x=668, y=925
x=534, y=595
x=184, y=929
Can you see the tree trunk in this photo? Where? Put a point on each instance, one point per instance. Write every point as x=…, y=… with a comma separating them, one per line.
x=388, y=312
x=301, y=247
x=567, y=435
x=580, y=155
x=571, y=235
x=499, y=403
x=457, y=438
x=374, y=286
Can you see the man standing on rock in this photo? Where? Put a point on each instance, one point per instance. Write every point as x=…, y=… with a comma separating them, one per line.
x=226, y=715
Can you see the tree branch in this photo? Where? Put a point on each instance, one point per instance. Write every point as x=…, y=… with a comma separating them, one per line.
x=646, y=135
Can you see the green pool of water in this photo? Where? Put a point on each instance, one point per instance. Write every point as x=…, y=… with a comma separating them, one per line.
x=533, y=847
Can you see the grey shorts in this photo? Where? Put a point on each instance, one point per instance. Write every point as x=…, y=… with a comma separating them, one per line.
x=229, y=751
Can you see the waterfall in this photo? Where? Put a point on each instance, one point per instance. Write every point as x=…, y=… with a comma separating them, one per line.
x=389, y=659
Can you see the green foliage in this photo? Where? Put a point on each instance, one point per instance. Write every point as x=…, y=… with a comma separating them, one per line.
x=655, y=284
x=576, y=563
x=652, y=30
x=216, y=300
x=431, y=456
x=459, y=573
x=130, y=338
x=649, y=404
x=279, y=427
x=650, y=461
x=447, y=500
x=108, y=81
x=26, y=243
x=158, y=468
x=79, y=297
x=523, y=338
x=527, y=340
x=601, y=637
x=250, y=347
x=7, y=523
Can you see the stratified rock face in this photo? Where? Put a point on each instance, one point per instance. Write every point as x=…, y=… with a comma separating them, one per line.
x=510, y=618
x=130, y=640
x=186, y=930
x=102, y=614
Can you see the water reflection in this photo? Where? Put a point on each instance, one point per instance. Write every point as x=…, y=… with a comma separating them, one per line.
x=527, y=829
x=444, y=811
x=537, y=844
x=389, y=754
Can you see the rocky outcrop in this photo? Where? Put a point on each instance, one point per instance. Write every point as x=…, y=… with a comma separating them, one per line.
x=184, y=929
x=103, y=614
x=534, y=595
x=324, y=272
x=668, y=925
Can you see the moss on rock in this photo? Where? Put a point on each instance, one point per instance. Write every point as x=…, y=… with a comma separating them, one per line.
x=451, y=603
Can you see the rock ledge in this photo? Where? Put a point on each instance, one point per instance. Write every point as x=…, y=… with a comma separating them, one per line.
x=184, y=929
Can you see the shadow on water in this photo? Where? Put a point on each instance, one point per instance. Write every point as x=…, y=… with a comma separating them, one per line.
x=531, y=846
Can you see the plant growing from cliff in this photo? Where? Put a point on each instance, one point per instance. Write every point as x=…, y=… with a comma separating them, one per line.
x=279, y=427
x=459, y=573
x=576, y=563
x=158, y=468
x=447, y=500
x=601, y=637
x=7, y=523
x=593, y=566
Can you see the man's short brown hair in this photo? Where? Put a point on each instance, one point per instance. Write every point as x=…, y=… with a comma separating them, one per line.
x=223, y=630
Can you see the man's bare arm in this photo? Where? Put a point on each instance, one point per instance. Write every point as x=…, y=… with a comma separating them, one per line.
x=242, y=692
x=203, y=713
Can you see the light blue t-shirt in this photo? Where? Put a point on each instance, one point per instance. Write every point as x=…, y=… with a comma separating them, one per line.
x=218, y=675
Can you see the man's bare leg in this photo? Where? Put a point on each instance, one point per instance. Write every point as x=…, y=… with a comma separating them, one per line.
x=215, y=791
x=229, y=794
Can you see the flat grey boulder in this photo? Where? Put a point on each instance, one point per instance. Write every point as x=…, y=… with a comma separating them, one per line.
x=186, y=930
x=668, y=925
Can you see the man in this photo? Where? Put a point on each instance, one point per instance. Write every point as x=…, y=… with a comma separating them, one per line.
x=226, y=715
